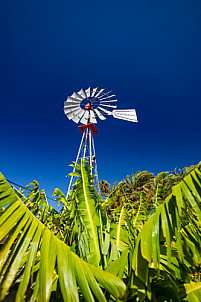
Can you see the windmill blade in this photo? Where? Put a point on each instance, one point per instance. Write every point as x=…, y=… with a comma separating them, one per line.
x=82, y=94
x=81, y=113
x=67, y=110
x=112, y=101
x=99, y=93
x=87, y=91
x=85, y=117
x=106, y=111
x=94, y=91
x=72, y=106
x=76, y=96
x=128, y=115
x=78, y=112
x=92, y=117
x=107, y=97
x=71, y=103
x=70, y=115
x=75, y=119
x=99, y=114
x=110, y=106
x=73, y=100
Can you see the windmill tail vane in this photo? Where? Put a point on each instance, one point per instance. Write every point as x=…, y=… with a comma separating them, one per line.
x=86, y=106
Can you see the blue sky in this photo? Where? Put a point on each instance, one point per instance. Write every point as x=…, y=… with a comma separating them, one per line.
x=147, y=52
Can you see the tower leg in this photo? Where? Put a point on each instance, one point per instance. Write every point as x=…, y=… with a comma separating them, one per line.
x=95, y=164
x=86, y=131
x=87, y=152
x=78, y=154
x=90, y=151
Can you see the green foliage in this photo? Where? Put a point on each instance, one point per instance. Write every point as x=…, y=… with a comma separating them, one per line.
x=35, y=256
x=142, y=242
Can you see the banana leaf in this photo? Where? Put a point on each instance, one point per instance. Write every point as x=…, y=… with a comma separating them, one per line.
x=35, y=257
x=165, y=229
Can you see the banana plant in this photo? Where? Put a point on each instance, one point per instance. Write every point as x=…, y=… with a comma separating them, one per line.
x=170, y=234
x=98, y=241
x=34, y=257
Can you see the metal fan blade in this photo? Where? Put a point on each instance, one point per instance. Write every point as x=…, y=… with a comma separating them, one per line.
x=112, y=101
x=78, y=112
x=128, y=115
x=71, y=103
x=82, y=94
x=107, y=97
x=92, y=117
x=87, y=91
x=70, y=115
x=68, y=110
x=73, y=100
x=110, y=106
x=72, y=106
x=75, y=119
x=99, y=115
x=76, y=96
x=106, y=111
x=85, y=117
x=81, y=113
x=99, y=93
x=94, y=91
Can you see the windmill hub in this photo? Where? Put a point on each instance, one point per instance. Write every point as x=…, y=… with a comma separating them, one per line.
x=89, y=106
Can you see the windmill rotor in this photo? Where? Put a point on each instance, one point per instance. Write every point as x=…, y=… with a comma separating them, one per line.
x=85, y=106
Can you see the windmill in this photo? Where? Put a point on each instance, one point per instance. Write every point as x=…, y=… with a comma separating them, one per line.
x=86, y=106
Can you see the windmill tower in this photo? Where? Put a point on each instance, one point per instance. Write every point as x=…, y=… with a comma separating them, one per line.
x=84, y=107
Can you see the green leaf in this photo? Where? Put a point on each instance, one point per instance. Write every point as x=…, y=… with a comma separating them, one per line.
x=90, y=217
x=193, y=291
x=39, y=256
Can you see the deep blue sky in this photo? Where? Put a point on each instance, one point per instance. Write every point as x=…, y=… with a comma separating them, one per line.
x=147, y=52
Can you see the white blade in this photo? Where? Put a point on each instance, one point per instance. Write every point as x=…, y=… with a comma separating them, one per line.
x=71, y=103
x=112, y=101
x=85, y=117
x=92, y=117
x=72, y=100
x=67, y=110
x=106, y=111
x=72, y=106
x=82, y=93
x=99, y=114
x=107, y=97
x=79, y=112
x=110, y=106
x=87, y=91
x=128, y=115
x=70, y=115
x=75, y=119
x=76, y=96
x=99, y=93
x=94, y=91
